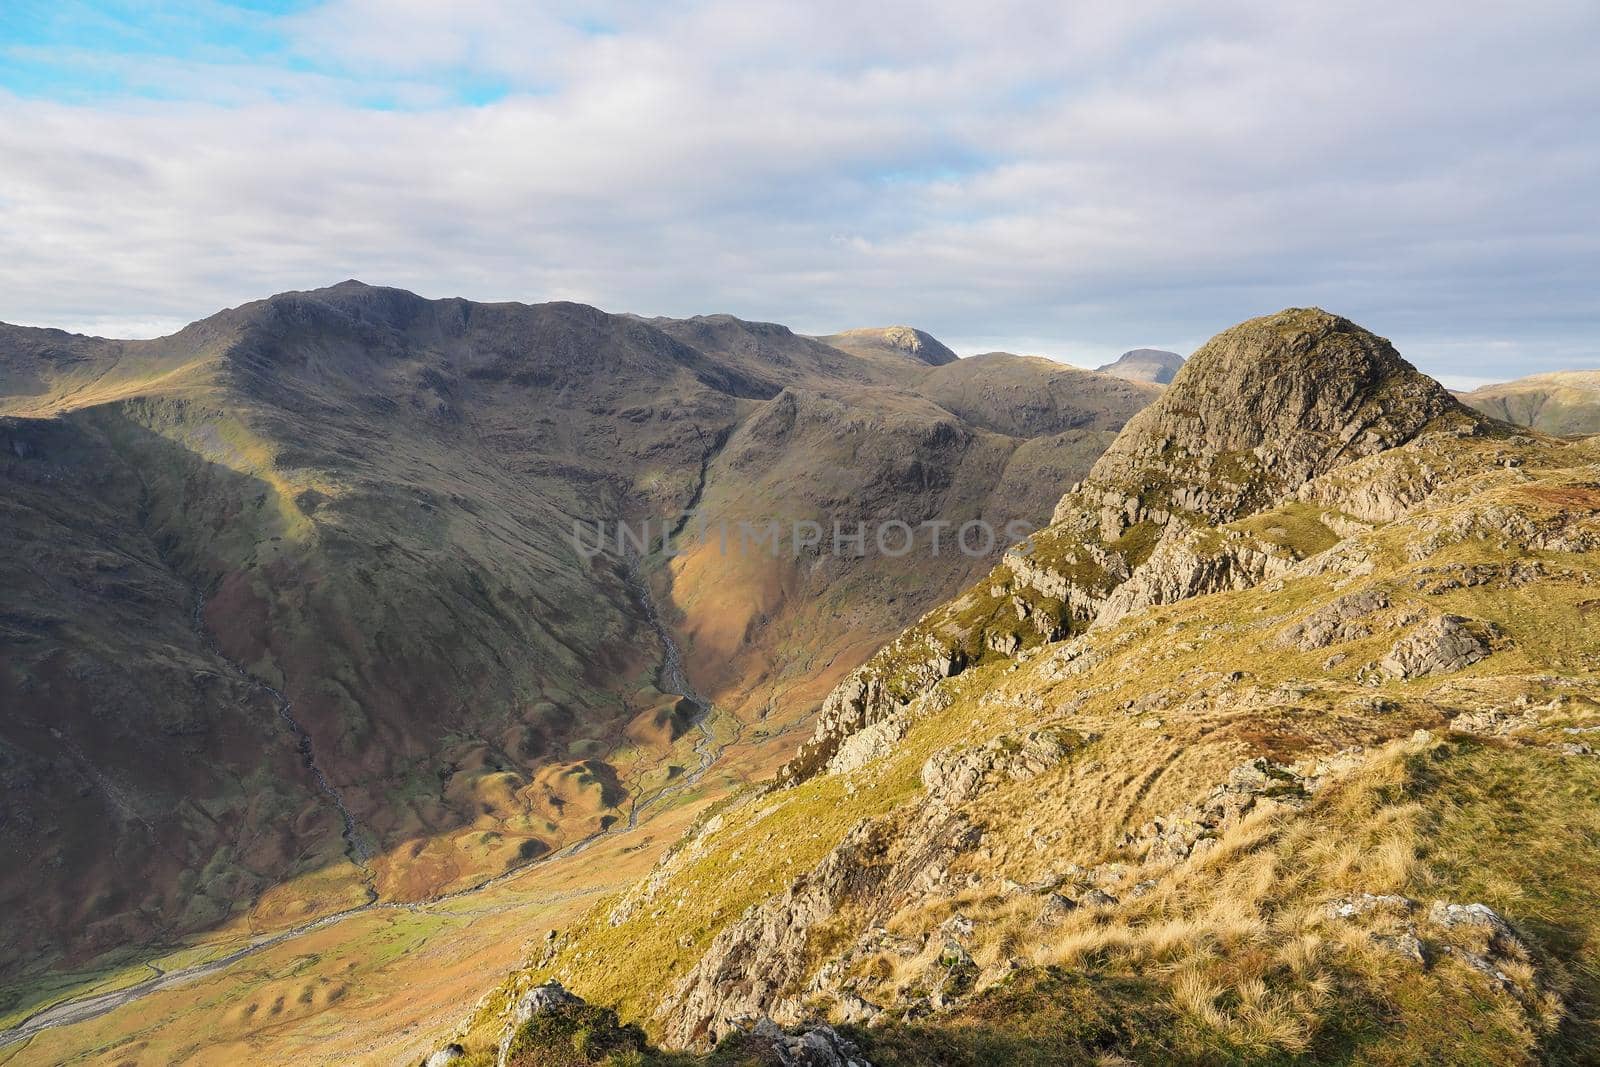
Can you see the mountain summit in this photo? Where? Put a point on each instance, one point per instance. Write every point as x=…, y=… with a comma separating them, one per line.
x=1145, y=365
x=907, y=340
x=1264, y=406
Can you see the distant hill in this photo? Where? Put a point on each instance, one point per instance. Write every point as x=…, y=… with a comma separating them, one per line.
x=1564, y=402
x=900, y=340
x=1145, y=365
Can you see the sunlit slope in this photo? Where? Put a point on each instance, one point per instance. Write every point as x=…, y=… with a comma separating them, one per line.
x=1307, y=779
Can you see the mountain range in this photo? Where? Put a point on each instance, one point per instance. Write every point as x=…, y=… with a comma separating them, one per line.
x=296, y=618
x=1271, y=741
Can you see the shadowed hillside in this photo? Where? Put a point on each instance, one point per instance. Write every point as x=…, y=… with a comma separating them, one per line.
x=294, y=617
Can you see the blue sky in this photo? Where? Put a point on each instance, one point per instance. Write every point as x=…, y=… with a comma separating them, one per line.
x=1070, y=180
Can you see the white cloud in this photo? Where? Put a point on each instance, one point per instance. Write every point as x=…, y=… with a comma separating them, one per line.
x=1077, y=182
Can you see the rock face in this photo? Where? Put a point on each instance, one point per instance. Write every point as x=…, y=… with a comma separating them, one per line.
x=1439, y=646
x=1145, y=365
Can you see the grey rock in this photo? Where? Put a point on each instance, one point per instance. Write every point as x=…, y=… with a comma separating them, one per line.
x=816, y=1046
x=1335, y=623
x=1449, y=916
x=1363, y=903
x=539, y=1000
x=1056, y=908
x=542, y=999
x=445, y=1056
x=1405, y=944
x=1439, y=646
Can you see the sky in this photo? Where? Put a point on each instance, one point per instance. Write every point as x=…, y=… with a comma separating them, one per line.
x=1066, y=179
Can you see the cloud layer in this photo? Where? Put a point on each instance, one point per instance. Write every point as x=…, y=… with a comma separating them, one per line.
x=1016, y=175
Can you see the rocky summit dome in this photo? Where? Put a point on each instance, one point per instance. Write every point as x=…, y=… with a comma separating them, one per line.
x=1268, y=404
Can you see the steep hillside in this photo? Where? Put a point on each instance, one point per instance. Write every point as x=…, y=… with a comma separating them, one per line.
x=990, y=441
x=1566, y=402
x=295, y=616
x=1302, y=767
x=1153, y=365
x=1026, y=396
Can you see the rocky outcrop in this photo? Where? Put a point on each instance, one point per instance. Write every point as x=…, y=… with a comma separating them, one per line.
x=1191, y=562
x=758, y=966
x=759, y=960
x=544, y=999
x=1342, y=621
x=814, y=1046
x=1265, y=407
x=550, y=1025
x=1441, y=645
x=908, y=666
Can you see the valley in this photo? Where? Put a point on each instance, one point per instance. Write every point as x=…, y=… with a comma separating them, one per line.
x=416, y=738
x=297, y=589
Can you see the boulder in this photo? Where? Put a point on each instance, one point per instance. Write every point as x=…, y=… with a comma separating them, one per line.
x=1439, y=646
x=814, y=1046
x=445, y=1056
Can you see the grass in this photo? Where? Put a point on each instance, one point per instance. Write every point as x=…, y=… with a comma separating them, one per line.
x=1234, y=948
x=1519, y=829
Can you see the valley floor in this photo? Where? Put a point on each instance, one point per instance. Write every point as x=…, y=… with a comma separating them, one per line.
x=376, y=985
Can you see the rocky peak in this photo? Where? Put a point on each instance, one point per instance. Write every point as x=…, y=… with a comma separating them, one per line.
x=1264, y=407
x=1254, y=416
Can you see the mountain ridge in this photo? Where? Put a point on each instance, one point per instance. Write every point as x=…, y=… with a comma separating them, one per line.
x=1560, y=402
x=364, y=501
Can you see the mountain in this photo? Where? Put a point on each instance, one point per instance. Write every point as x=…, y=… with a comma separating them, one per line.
x=1276, y=745
x=897, y=340
x=305, y=606
x=1565, y=402
x=1145, y=365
